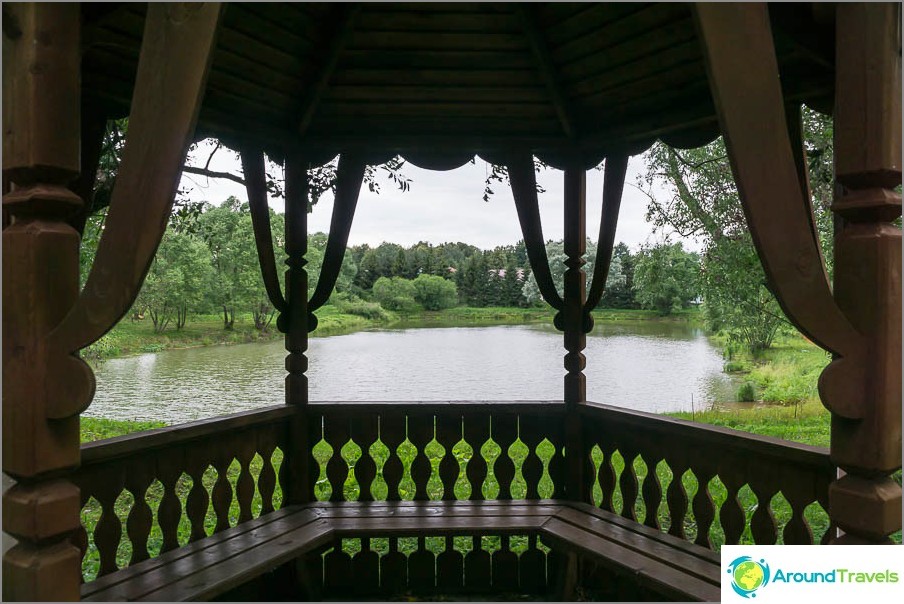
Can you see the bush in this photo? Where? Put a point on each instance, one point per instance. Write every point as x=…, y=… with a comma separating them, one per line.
x=396, y=293
x=435, y=293
x=746, y=393
x=354, y=306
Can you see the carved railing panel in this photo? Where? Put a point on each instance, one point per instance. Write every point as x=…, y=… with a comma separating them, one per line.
x=473, y=563
x=148, y=493
x=512, y=448
x=706, y=484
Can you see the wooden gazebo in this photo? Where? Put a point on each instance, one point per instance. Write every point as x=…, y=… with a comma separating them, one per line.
x=572, y=84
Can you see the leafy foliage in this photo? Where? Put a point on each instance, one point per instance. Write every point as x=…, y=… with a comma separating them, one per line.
x=395, y=293
x=434, y=293
x=666, y=277
x=702, y=202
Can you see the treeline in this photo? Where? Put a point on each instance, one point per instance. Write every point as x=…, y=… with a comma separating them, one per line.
x=207, y=263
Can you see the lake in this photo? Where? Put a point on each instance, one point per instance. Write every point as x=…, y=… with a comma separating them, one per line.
x=655, y=366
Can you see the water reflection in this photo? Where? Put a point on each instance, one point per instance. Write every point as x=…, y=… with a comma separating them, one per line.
x=649, y=366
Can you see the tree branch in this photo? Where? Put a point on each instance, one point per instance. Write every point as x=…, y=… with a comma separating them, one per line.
x=214, y=174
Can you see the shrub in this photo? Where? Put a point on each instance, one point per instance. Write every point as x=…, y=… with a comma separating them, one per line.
x=435, y=293
x=746, y=393
x=395, y=293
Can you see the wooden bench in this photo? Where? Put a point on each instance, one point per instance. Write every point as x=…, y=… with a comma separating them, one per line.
x=661, y=564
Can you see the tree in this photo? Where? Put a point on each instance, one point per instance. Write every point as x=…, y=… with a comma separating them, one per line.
x=555, y=251
x=666, y=277
x=702, y=202
x=434, y=293
x=395, y=293
x=176, y=281
x=220, y=228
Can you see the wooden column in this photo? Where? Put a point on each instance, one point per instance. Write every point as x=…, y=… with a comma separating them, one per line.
x=295, y=323
x=572, y=323
x=866, y=502
x=40, y=283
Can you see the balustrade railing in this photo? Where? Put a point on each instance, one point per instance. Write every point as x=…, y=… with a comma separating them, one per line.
x=707, y=484
x=172, y=486
x=148, y=493
x=449, y=450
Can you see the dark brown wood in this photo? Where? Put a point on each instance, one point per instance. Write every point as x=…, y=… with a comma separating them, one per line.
x=450, y=569
x=505, y=567
x=349, y=176
x=393, y=570
x=547, y=67
x=742, y=70
x=607, y=477
x=449, y=434
x=255, y=174
x=421, y=569
x=524, y=191
x=574, y=323
x=365, y=430
x=478, y=568
x=392, y=433
x=177, y=47
x=868, y=259
x=140, y=518
x=420, y=433
x=476, y=433
x=705, y=509
x=504, y=432
x=613, y=185
x=532, y=430
x=628, y=484
x=365, y=570
x=336, y=434
x=41, y=144
x=244, y=484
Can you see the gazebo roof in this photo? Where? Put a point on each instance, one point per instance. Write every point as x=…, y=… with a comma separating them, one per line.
x=438, y=82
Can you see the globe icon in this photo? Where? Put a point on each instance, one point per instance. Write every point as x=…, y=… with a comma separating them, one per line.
x=748, y=575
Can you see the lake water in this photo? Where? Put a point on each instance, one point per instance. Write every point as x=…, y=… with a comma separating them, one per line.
x=646, y=365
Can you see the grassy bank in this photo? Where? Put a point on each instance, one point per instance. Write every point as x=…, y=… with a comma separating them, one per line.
x=135, y=337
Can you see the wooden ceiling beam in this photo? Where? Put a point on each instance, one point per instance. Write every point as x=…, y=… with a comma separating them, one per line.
x=345, y=15
x=547, y=68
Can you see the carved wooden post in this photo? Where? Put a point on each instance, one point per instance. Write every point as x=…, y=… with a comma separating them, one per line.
x=572, y=323
x=40, y=283
x=866, y=503
x=294, y=324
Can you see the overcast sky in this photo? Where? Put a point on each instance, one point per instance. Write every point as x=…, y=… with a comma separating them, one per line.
x=447, y=206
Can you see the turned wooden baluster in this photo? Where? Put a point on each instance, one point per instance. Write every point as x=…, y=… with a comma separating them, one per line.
x=676, y=495
x=266, y=480
x=392, y=433
x=108, y=531
x=448, y=434
x=629, y=484
x=607, y=476
x=530, y=431
x=421, y=569
x=866, y=502
x=450, y=568
x=336, y=433
x=477, y=567
x=138, y=477
x=365, y=575
x=420, y=433
x=365, y=431
x=704, y=507
x=731, y=515
x=198, y=499
x=169, y=513
x=505, y=567
x=244, y=484
x=221, y=493
x=393, y=570
x=652, y=492
x=477, y=432
x=505, y=431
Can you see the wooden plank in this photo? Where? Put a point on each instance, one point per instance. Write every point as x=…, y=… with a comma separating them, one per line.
x=441, y=41
x=260, y=529
x=663, y=550
x=499, y=92
x=652, y=574
x=415, y=408
x=252, y=561
x=434, y=59
x=453, y=525
x=375, y=78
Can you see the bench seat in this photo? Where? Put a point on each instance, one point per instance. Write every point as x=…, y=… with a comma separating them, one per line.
x=210, y=567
